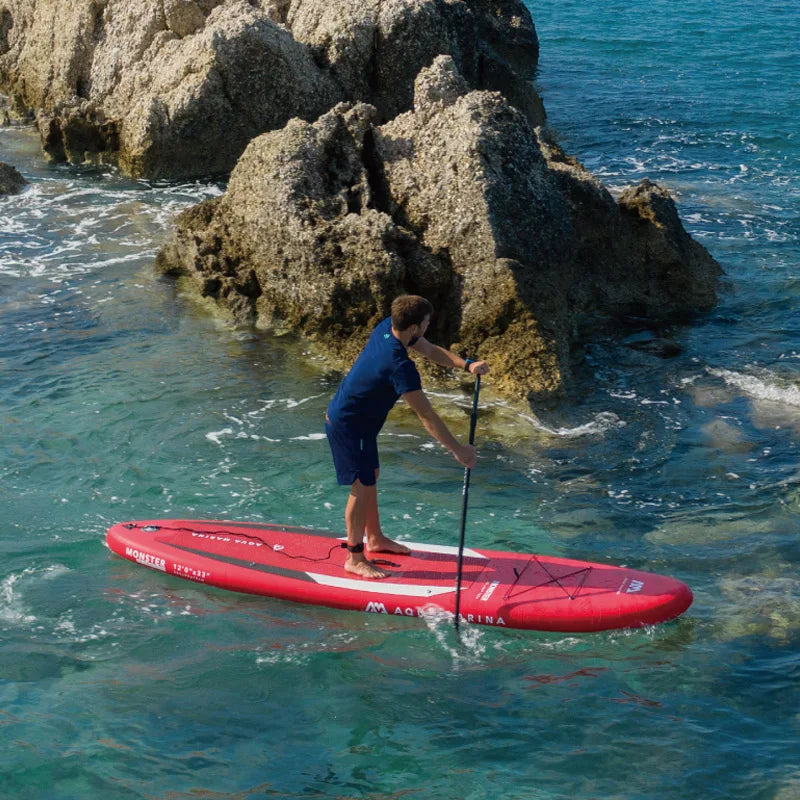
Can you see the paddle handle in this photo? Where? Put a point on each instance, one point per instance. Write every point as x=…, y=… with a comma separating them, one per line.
x=473, y=421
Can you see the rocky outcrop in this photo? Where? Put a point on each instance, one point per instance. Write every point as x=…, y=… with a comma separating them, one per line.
x=323, y=260
x=633, y=254
x=459, y=200
x=173, y=89
x=11, y=181
x=199, y=103
x=177, y=88
x=376, y=48
x=464, y=172
x=674, y=268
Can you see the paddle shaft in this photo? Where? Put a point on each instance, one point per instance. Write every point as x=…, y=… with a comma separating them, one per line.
x=465, y=499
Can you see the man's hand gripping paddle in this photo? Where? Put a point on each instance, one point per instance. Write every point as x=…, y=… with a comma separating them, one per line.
x=465, y=495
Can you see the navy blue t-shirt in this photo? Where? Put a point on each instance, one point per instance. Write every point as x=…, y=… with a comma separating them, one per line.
x=381, y=373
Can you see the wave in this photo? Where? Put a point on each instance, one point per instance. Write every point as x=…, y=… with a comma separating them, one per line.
x=768, y=386
x=505, y=417
x=62, y=228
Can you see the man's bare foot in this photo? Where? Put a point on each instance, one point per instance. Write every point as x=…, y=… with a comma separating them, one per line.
x=383, y=544
x=359, y=565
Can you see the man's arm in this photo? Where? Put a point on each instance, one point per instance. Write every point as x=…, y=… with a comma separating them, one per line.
x=445, y=358
x=465, y=454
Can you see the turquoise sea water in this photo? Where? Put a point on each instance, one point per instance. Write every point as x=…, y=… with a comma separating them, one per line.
x=120, y=398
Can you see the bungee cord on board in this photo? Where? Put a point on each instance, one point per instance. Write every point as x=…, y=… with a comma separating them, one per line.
x=277, y=548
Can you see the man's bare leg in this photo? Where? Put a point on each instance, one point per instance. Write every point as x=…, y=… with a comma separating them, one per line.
x=361, y=505
x=377, y=542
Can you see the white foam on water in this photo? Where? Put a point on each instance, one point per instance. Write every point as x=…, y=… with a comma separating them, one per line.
x=568, y=643
x=466, y=647
x=65, y=227
x=66, y=628
x=286, y=402
x=602, y=423
x=290, y=654
x=244, y=423
x=215, y=436
x=768, y=386
x=12, y=607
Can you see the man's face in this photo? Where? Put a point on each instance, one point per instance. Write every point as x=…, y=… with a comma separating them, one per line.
x=420, y=331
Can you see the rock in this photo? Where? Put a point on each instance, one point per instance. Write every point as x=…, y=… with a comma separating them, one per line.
x=201, y=99
x=723, y=436
x=11, y=181
x=762, y=605
x=6, y=24
x=78, y=133
x=323, y=261
x=633, y=256
x=659, y=346
x=670, y=263
x=185, y=17
x=43, y=51
x=376, y=48
x=459, y=200
x=466, y=174
x=177, y=88
x=5, y=111
x=507, y=30
x=439, y=86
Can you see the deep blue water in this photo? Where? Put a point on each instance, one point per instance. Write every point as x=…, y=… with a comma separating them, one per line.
x=122, y=398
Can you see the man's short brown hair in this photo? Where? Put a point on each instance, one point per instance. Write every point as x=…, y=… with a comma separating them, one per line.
x=408, y=310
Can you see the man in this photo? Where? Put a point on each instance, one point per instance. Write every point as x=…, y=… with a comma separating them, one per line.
x=382, y=373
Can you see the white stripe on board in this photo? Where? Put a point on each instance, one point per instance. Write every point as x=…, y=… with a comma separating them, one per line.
x=443, y=548
x=446, y=549
x=380, y=586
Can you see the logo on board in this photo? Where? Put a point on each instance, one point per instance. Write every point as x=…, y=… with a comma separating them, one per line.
x=146, y=559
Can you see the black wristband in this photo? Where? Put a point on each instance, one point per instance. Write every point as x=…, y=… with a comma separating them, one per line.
x=467, y=362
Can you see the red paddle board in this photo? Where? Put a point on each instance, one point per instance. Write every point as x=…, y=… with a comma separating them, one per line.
x=507, y=590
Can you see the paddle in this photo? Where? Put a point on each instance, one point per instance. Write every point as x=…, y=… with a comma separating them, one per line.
x=465, y=496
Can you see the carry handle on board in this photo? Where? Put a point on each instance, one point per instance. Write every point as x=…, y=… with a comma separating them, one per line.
x=465, y=499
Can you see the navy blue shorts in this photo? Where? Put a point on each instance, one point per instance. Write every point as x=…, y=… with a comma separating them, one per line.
x=353, y=457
